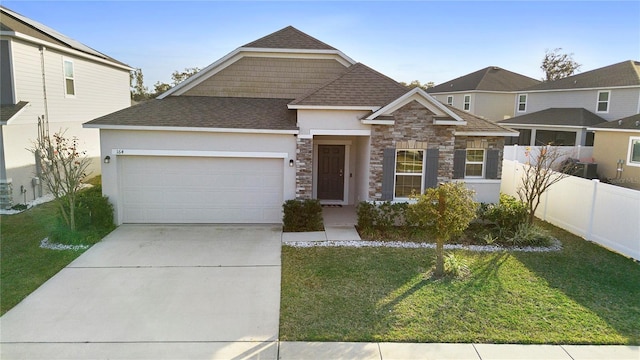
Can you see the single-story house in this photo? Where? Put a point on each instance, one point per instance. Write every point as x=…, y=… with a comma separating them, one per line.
x=283, y=117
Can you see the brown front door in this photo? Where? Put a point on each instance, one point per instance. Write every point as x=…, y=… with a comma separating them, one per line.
x=331, y=172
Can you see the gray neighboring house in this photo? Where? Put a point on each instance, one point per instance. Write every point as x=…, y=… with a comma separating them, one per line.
x=287, y=116
x=561, y=110
x=490, y=93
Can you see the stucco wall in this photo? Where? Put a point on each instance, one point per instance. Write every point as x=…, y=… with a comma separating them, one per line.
x=608, y=148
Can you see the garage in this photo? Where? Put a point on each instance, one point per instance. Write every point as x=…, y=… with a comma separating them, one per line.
x=190, y=189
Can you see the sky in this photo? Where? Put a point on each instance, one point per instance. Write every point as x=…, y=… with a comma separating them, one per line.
x=405, y=40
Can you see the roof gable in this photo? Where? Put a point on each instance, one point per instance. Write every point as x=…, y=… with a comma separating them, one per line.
x=418, y=95
x=491, y=78
x=626, y=73
x=557, y=117
x=289, y=38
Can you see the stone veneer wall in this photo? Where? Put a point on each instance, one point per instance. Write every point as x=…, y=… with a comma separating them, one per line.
x=304, y=168
x=413, y=128
x=479, y=142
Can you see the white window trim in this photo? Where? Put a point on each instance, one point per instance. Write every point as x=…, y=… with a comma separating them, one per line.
x=526, y=97
x=464, y=102
x=629, y=162
x=64, y=78
x=450, y=100
x=608, y=101
x=421, y=174
x=483, y=163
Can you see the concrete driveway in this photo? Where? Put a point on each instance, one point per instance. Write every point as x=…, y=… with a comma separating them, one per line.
x=157, y=292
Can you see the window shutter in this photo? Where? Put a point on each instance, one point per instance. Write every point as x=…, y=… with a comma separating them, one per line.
x=493, y=162
x=388, y=173
x=459, y=161
x=431, y=169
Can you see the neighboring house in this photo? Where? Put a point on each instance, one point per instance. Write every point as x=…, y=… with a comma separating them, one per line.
x=490, y=93
x=609, y=93
x=287, y=116
x=49, y=83
x=617, y=151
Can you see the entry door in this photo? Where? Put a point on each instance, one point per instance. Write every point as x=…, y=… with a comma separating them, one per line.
x=331, y=172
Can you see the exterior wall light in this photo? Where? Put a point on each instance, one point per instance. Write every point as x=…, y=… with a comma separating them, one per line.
x=107, y=159
x=291, y=163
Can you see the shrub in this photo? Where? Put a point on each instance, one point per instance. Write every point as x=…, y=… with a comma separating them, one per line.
x=508, y=214
x=455, y=266
x=93, y=209
x=381, y=216
x=302, y=215
x=530, y=235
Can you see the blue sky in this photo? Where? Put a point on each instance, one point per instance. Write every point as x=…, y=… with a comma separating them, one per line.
x=424, y=40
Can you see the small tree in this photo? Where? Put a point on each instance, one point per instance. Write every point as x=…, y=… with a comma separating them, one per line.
x=443, y=212
x=139, y=92
x=64, y=167
x=557, y=65
x=543, y=169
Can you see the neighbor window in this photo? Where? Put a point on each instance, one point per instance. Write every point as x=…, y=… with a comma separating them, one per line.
x=522, y=102
x=603, y=101
x=467, y=103
x=69, y=80
x=474, y=163
x=633, y=158
x=409, y=169
x=449, y=100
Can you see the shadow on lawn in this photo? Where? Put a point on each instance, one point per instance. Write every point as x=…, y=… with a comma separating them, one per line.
x=600, y=280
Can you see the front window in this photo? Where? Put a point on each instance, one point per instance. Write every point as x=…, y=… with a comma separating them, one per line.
x=522, y=102
x=634, y=151
x=603, y=101
x=474, y=163
x=449, y=100
x=467, y=103
x=69, y=80
x=409, y=169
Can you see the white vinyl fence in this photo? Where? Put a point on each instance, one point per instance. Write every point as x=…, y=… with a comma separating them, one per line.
x=606, y=214
x=521, y=153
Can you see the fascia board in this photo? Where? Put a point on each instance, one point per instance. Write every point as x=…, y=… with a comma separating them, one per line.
x=536, y=126
x=449, y=122
x=480, y=133
x=377, y=122
x=189, y=129
x=423, y=97
x=613, y=130
x=329, y=107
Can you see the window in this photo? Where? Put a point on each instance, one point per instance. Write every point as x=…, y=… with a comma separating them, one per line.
x=467, y=103
x=474, y=163
x=522, y=102
x=449, y=100
x=69, y=80
x=409, y=169
x=633, y=157
x=603, y=101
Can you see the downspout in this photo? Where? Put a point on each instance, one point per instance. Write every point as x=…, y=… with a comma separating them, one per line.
x=43, y=128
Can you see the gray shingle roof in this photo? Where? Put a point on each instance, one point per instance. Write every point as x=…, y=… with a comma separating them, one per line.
x=9, y=111
x=478, y=124
x=626, y=73
x=358, y=86
x=206, y=112
x=629, y=123
x=491, y=78
x=289, y=38
x=557, y=116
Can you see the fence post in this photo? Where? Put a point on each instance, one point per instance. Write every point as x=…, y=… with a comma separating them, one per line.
x=589, y=233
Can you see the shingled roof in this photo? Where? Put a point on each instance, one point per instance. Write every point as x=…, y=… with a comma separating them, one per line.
x=629, y=123
x=558, y=117
x=491, y=78
x=626, y=73
x=358, y=86
x=477, y=124
x=205, y=112
x=289, y=38
x=8, y=111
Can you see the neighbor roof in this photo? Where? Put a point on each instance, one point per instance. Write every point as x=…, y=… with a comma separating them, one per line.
x=9, y=111
x=289, y=38
x=358, y=86
x=557, y=117
x=14, y=22
x=477, y=124
x=626, y=73
x=491, y=78
x=629, y=123
x=205, y=112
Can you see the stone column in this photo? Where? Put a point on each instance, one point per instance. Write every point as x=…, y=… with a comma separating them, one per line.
x=304, y=168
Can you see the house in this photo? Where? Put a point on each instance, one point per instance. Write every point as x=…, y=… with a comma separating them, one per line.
x=490, y=93
x=616, y=149
x=49, y=82
x=287, y=116
x=563, y=110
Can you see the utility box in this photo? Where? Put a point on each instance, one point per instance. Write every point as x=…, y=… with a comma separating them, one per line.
x=586, y=170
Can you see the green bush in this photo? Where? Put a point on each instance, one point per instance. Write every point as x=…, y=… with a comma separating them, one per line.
x=455, y=266
x=381, y=216
x=530, y=235
x=302, y=215
x=508, y=214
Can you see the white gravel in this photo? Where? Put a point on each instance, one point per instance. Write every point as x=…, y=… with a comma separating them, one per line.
x=30, y=204
x=45, y=244
x=557, y=246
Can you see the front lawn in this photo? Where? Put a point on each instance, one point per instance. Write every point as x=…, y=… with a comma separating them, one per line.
x=583, y=294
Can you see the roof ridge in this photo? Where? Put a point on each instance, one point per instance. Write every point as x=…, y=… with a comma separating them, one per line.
x=264, y=42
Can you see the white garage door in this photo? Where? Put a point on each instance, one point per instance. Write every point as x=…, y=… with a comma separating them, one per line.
x=163, y=189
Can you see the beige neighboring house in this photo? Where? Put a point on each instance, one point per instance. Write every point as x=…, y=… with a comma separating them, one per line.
x=287, y=116
x=616, y=149
x=563, y=110
x=52, y=82
x=490, y=93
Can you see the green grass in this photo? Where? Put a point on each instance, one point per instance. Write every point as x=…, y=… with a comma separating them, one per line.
x=583, y=294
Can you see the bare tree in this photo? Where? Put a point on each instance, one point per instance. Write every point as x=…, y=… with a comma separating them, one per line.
x=557, y=65
x=64, y=167
x=544, y=168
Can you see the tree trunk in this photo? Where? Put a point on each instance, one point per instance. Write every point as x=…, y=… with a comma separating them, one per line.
x=72, y=213
x=439, y=257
